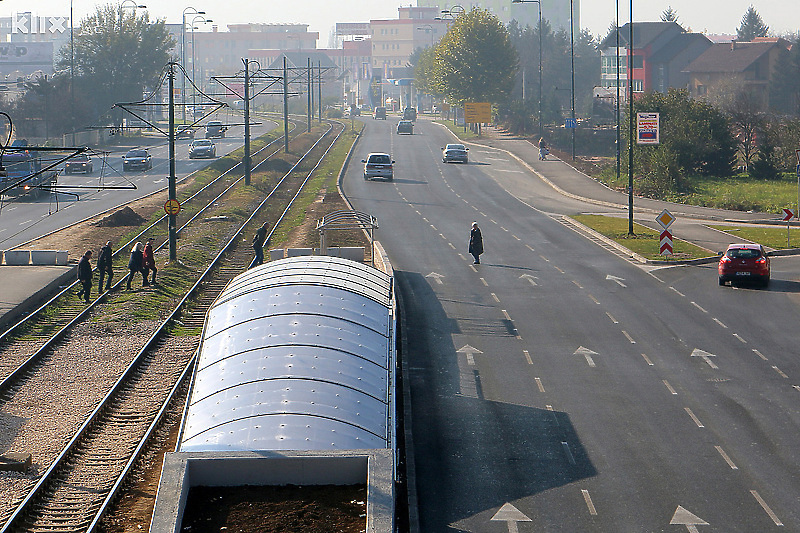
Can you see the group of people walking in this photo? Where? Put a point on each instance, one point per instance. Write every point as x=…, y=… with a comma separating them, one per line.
x=142, y=260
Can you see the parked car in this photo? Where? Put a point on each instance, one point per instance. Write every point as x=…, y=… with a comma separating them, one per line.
x=202, y=148
x=215, y=128
x=378, y=165
x=137, y=159
x=184, y=132
x=455, y=153
x=79, y=163
x=744, y=262
x=379, y=113
x=410, y=113
x=405, y=126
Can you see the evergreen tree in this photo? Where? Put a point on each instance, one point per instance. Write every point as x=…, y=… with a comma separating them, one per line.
x=765, y=167
x=752, y=26
x=669, y=15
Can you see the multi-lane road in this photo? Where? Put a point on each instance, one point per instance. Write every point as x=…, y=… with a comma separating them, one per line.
x=21, y=221
x=557, y=386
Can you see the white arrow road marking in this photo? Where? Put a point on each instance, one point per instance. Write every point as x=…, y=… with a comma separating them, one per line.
x=616, y=280
x=529, y=278
x=705, y=357
x=682, y=517
x=470, y=351
x=437, y=277
x=510, y=514
x=587, y=353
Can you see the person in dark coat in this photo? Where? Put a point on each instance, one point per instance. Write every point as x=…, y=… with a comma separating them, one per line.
x=105, y=266
x=136, y=263
x=258, y=243
x=149, y=262
x=476, y=243
x=85, y=275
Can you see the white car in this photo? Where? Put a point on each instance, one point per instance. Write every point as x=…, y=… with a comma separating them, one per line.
x=378, y=165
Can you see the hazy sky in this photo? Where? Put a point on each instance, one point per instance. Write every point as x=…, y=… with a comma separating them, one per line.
x=711, y=16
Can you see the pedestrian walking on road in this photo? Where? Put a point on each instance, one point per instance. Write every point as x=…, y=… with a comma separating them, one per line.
x=105, y=266
x=85, y=275
x=476, y=243
x=135, y=264
x=543, y=149
x=258, y=243
x=149, y=262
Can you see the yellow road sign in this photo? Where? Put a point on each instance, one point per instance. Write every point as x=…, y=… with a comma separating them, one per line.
x=477, y=112
x=172, y=207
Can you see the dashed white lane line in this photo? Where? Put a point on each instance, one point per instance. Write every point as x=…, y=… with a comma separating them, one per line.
x=628, y=337
x=505, y=313
x=766, y=508
x=647, y=359
x=568, y=452
x=529, y=247
x=554, y=266
x=544, y=258
x=473, y=268
x=593, y=299
x=462, y=256
x=528, y=356
x=780, y=372
x=517, y=238
x=495, y=298
x=669, y=387
x=577, y=284
x=484, y=282
x=698, y=306
x=588, y=499
x=717, y=320
x=426, y=220
x=451, y=245
x=761, y=355
x=539, y=384
x=692, y=415
x=614, y=320
x=740, y=338
x=434, y=228
x=679, y=293
x=727, y=459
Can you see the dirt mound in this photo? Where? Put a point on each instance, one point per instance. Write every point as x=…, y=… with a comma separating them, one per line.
x=124, y=217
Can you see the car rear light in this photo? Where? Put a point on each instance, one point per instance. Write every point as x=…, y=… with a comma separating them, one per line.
x=725, y=259
x=761, y=261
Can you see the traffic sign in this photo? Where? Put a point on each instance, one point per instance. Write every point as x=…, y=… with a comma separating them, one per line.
x=477, y=112
x=666, y=243
x=570, y=123
x=172, y=207
x=665, y=219
x=788, y=214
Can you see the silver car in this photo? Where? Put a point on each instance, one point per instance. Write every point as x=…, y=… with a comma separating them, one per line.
x=455, y=153
x=378, y=165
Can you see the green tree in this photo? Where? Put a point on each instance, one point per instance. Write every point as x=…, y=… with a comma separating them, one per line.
x=766, y=166
x=698, y=134
x=118, y=55
x=747, y=121
x=669, y=15
x=475, y=60
x=424, y=70
x=752, y=26
x=45, y=108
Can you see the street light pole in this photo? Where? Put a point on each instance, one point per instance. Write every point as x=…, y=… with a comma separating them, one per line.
x=572, y=68
x=630, y=124
x=194, y=84
x=539, y=31
x=183, y=55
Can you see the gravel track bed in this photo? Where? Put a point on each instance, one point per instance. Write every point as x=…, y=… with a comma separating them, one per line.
x=41, y=416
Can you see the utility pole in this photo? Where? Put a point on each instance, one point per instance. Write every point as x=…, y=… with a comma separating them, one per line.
x=173, y=253
x=630, y=125
x=246, y=121
x=285, y=108
x=309, y=105
x=319, y=88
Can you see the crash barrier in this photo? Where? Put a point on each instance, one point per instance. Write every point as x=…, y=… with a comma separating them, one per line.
x=34, y=257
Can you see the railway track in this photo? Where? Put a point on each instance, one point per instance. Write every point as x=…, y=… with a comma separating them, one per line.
x=86, y=474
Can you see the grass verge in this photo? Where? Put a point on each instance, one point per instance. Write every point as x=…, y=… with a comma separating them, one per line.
x=644, y=241
x=773, y=237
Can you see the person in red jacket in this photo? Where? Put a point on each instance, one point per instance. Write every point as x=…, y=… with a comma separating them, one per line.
x=149, y=263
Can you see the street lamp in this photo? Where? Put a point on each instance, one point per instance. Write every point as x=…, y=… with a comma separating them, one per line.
x=183, y=54
x=428, y=29
x=133, y=5
x=194, y=84
x=572, y=69
x=539, y=31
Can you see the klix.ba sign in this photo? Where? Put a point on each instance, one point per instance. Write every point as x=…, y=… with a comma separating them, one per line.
x=26, y=23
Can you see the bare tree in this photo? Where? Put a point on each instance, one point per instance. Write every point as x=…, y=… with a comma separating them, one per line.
x=747, y=120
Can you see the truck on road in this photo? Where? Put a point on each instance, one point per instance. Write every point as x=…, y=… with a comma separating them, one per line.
x=23, y=175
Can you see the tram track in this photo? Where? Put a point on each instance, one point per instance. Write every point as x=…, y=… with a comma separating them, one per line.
x=72, y=494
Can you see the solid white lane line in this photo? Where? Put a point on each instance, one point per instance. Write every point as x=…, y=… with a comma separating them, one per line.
x=647, y=359
x=539, y=384
x=780, y=372
x=727, y=459
x=761, y=355
x=496, y=299
x=614, y=320
x=696, y=420
x=719, y=322
x=700, y=308
x=669, y=387
x=484, y=282
x=589, y=504
x=628, y=337
x=528, y=356
x=740, y=338
x=766, y=508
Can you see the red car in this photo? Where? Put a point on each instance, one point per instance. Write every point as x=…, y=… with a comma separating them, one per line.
x=744, y=262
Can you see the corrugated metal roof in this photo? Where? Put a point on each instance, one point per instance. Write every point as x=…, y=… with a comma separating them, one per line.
x=296, y=355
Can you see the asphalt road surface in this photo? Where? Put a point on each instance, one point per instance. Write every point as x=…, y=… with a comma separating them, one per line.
x=559, y=387
x=21, y=221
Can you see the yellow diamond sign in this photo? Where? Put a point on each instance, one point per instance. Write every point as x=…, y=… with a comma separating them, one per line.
x=665, y=219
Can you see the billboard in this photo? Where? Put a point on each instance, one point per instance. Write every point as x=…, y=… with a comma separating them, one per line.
x=27, y=54
x=647, y=128
x=477, y=112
